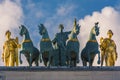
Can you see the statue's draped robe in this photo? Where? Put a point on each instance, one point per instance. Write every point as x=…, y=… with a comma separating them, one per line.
x=108, y=51
x=9, y=52
x=60, y=50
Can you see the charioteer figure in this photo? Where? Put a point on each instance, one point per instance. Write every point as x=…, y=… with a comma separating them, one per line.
x=60, y=46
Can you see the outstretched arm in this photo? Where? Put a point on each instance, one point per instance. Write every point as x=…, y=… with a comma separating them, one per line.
x=54, y=40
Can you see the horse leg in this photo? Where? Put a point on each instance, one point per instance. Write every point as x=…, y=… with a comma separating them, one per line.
x=92, y=56
x=71, y=64
x=51, y=61
x=91, y=63
x=40, y=56
x=45, y=62
x=45, y=59
x=21, y=52
x=36, y=57
x=72, y=58
x=36, y=61
x=30, y=60
x=50, y=58
x=74, y=62
x=67, y=60
x=89, y=60
x=84, y=63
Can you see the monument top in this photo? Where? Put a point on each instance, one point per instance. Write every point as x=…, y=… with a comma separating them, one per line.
x=42, y=68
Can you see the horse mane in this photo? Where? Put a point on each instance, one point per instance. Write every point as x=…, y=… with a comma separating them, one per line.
x=43, y=27
x=72, y=34
x=93, y=33
x=24, y=27
x=92, y=30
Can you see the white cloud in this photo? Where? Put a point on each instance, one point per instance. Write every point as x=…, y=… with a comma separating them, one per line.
x=10, y=18
x=39, y=14
x=65, y=9
x=108, y=18
x=61, y=16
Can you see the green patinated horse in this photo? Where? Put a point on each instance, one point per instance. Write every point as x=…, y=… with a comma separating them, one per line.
x=92, y=47
x=46, y=47
x=31, y=53
x=73, y=46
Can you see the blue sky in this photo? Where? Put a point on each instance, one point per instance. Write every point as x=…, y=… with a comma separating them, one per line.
x=47, y=9
x=54, y=12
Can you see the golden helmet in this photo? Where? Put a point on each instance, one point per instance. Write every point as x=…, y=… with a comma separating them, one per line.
x=110, y=32
x=8, y=32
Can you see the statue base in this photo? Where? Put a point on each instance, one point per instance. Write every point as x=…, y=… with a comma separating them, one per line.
x=59, y=73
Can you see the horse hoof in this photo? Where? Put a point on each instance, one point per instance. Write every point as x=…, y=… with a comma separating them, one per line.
x=20, y=62
x=98, y=62
x=78, y=61
x=40, y=61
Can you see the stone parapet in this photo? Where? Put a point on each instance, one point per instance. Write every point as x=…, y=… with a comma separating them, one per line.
x=59, y=73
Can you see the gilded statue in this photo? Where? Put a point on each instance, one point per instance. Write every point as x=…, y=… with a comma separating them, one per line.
x=108, y=50
x=10, y=50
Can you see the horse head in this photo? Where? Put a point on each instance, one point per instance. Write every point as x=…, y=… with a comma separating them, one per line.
x=23, y=30
x=42, y=29
x=96, y=29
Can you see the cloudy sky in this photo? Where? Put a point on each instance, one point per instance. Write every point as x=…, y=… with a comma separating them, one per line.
x=54, y=12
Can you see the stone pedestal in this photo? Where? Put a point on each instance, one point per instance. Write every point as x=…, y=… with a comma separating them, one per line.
x=62, y=73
